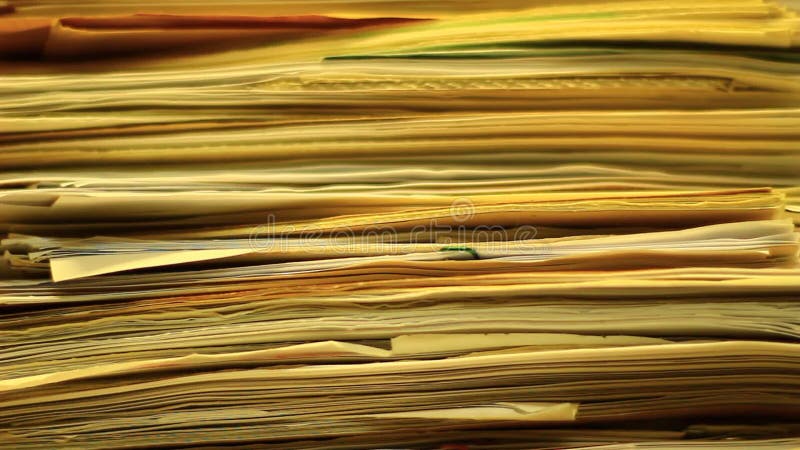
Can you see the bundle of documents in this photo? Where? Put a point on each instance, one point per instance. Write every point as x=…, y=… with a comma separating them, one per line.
x=366, y=224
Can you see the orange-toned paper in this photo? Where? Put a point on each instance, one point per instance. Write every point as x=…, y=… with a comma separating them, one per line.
x=92, y=37
x=23, y=38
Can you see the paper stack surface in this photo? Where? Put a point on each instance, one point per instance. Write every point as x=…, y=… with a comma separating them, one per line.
x=339, y=224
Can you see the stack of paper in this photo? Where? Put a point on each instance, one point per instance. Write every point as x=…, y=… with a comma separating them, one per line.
x=341, y=224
